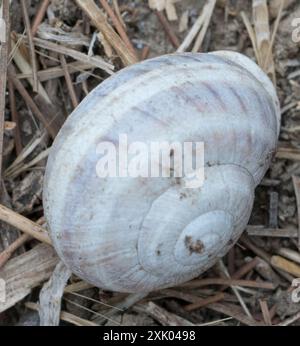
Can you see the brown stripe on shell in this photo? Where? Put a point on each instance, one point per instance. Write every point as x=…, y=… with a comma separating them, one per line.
x=180, y=92
x=216, y=95
x=265, y=107
x=238, y=98
x=149, y=115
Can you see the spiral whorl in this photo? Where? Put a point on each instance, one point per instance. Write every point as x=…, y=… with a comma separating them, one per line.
x=139, y=234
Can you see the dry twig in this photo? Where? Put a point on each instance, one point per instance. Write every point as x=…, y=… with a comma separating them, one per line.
x=265, y=312
x=161, y=315
x=49, y=124
x=92, y=60
x=39, y=16
x=261, y=231
x=51, y=294
x=15, y=117
x=204, y=302
x=119, y=27
x=296, y=183
x=228, y=282
x=67, y=317
x=31, y=45
x=201, y=25
x=3, y=71
x=69, y=83
x=99, y=20
x=290, y=254
x=23, y=224
x=25, y=272
x=168, y=29
x=285, y=265
x=7, y=253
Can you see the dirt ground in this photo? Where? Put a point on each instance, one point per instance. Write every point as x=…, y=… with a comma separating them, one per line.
x=264, y=293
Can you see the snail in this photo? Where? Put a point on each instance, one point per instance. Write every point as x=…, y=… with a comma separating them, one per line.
x=138, y=234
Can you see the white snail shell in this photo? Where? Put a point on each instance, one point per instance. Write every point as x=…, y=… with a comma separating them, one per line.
x=141, y=234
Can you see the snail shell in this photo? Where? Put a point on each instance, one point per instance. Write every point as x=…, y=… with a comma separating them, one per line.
x=141, y=234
